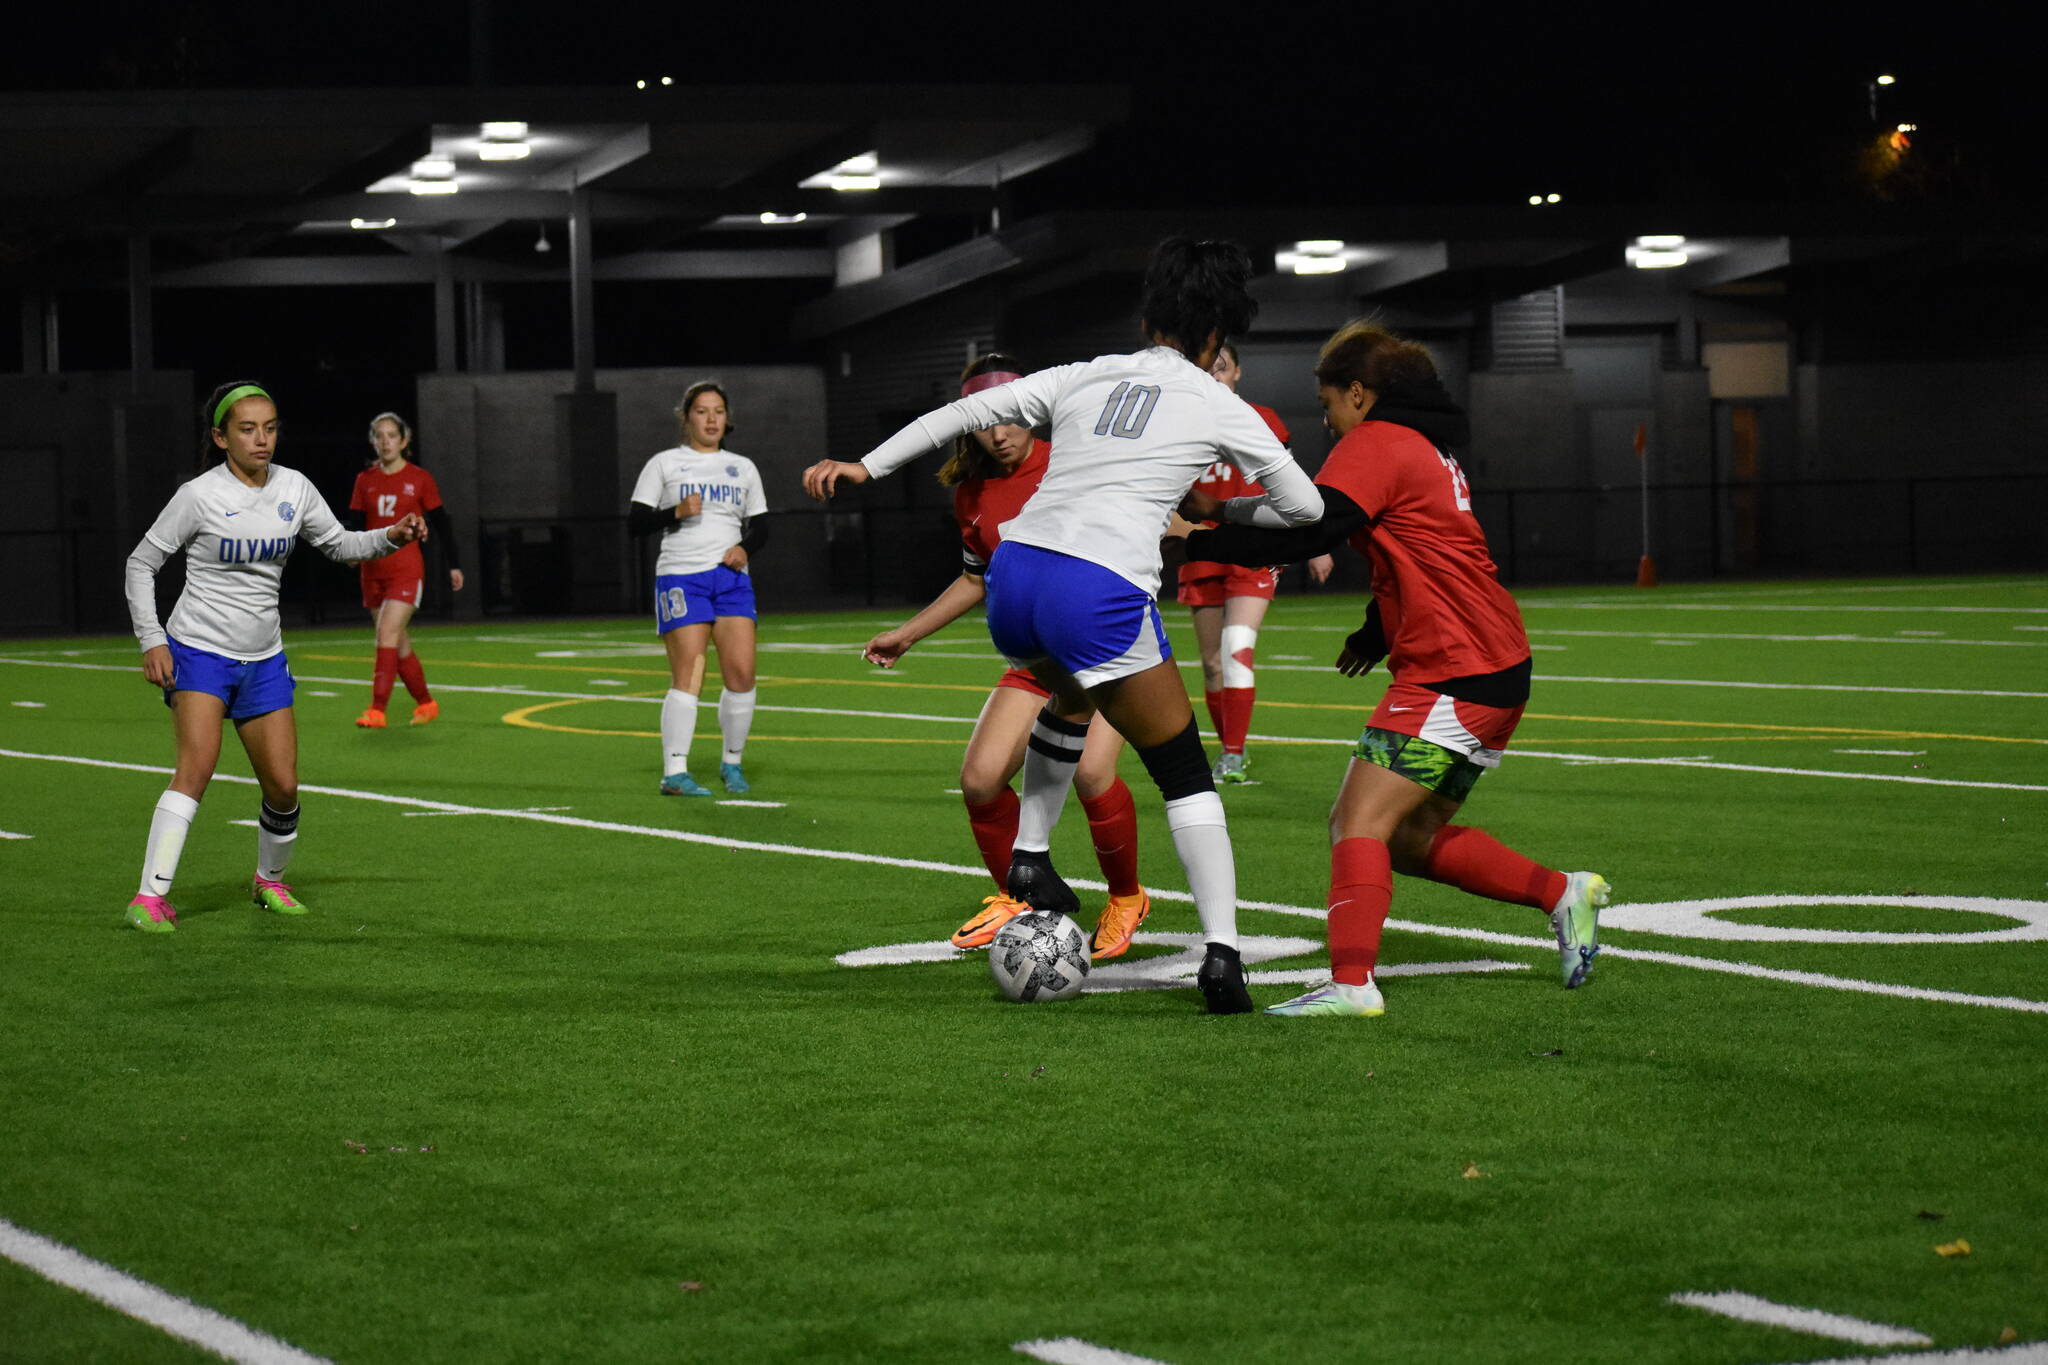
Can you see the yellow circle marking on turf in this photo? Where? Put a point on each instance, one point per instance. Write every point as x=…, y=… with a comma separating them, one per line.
x=524, y=718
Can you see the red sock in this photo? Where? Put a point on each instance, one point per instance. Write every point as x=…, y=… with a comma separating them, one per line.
x=1473, y=860
x=1113, y=825
x=381, y=680
x=1361, y=890
x=415, y=680
x=1237, y=717
x=995, y=830
x=1216, y=720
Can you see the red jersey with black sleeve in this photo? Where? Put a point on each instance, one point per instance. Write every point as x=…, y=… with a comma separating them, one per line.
x=982, y=506
x=1440, y=599
x=383, y=499
x=1224, y=481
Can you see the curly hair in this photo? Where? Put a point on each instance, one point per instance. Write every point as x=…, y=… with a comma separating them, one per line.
x=1366, y=353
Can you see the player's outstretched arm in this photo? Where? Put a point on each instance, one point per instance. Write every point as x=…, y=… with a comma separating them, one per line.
x=961, y=596
x=821, y=480
x=407, y=530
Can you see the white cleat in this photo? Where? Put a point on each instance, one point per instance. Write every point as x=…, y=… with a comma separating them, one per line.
x=1334, y=997
x=1575, y=919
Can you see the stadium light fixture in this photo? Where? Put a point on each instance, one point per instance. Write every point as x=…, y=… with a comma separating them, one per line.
x=782, y=219
x=372, y=224
x=1661, y=241
x=1553, y=198
x=640, y=84
x=1317, y=256
x=1887, y=80
x=1535, y=201
x=433, y=175
x=863, y=172
x=668, y=80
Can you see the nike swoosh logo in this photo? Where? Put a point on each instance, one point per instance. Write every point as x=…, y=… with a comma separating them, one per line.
x=232, y=514
x=1392, y=709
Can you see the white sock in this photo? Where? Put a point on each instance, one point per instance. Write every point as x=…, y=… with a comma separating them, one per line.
x=735, y=718
x=276, y=832
x=1203, y=842
x=678, y=725
x=168, y=826
x=1050, y=757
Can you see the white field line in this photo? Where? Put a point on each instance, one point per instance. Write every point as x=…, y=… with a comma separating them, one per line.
x=1074, y=1351
x=10, y=834
x=165, y=1311
x=1750, y=1308
x=1595, y=759
x=1847, y=589
x=517, y=691
x=1708, y=964
x=2026, y=1353
x=1759, y=606
x=1694, y=635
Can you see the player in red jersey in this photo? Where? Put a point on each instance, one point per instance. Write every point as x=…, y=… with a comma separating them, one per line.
x=1454, y=642
x=993, y=474
x=1228, y=601
x=390, y=489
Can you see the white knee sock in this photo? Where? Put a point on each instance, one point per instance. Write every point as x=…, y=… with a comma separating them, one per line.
x=276, y=832
x=168, y=826
x=735, y=718
x=1203, y=842
x=1049, y=762
x=678, y=725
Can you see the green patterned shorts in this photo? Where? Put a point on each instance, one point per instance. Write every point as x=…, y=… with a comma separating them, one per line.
x=1429, y=765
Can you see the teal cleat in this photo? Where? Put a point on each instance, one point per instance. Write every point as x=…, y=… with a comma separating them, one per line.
x=682, y=784
x=1575, y=919
x=735, y=781
x=1334, y=997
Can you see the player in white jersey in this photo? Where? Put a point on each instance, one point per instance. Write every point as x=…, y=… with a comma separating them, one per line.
x=1071, y=588
x=222, y=657
x=707, y=503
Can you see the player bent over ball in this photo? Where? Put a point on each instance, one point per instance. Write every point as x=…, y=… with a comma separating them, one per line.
x=1072, y=589
x=1454, y=641
x=993, y=473
x=222, y=656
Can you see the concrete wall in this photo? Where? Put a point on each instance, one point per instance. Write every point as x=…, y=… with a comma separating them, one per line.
x=491, y=441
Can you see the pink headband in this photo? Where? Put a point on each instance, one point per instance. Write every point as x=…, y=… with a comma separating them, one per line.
x=977, y=383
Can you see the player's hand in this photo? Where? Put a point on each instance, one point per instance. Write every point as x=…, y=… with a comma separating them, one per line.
x=888, y=647
x=157, y=667
x=1319, y=568
x=1200, y=506
x=821, y=480
x=406, y=530
x=1177, y=527
x=1353, y=665
x=735, y=558
x=689, y=507
x=455, y=580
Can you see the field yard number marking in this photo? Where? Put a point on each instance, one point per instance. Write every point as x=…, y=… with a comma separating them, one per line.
x=1074, y=1351
x=1695, y=919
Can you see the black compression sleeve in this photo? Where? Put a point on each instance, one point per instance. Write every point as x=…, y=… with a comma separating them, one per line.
x=754, y=533
x=641, y=519
x=444, y=531
x=1260, y=545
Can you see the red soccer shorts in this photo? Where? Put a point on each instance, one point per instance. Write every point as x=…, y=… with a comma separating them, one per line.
x=381, y=588
x=1203, y=584
x=1022, y=680
x=1478, y=732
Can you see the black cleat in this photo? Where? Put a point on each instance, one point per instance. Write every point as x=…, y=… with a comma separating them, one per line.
x=1033, y=881
x=1222, y=982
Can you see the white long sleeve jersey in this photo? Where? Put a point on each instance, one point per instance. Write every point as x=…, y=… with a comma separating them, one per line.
x=1130, y=435
x=236, y=540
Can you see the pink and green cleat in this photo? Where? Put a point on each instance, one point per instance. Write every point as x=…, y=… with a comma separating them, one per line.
x=153, y=915
x=275, y=897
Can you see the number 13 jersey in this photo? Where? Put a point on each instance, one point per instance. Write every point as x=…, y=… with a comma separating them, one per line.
x=1441, y=603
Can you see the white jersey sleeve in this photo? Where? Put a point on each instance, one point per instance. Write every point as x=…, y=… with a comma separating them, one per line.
x=1026, y=402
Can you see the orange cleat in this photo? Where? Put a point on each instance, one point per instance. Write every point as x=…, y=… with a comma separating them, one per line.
x=425, y=712
x=372, y=719
x=996, y=911
x=1120, y=919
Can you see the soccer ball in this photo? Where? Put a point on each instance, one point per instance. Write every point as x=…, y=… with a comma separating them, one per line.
x=1040, y=955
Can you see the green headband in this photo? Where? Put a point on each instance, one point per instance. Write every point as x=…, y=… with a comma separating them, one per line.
x=234, y=396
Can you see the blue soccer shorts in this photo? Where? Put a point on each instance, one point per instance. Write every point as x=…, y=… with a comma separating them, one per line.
x=1094, y=623
x=692, y=599
x=249, y=689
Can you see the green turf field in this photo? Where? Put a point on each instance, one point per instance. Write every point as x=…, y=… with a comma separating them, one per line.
x=559, y=1069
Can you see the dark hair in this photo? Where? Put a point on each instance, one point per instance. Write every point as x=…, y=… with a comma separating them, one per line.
x=1366, y=353
x=208, y=451
x=698, y=390
x=1231, y=347
x=1195, y=288
x=969, y=460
